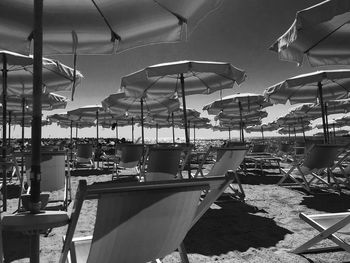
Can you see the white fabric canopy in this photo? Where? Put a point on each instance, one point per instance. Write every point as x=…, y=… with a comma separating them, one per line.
x=321, y=33
x=69, y=26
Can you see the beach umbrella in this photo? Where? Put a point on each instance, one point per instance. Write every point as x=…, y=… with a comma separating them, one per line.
x=320, y=33
x=175, y=117
x=181, y=78
x=272, y=126
x=111, y=27
x=243, y=118
x=121, y=103
x=319, y=86
x=237, y=103
x=296, y=129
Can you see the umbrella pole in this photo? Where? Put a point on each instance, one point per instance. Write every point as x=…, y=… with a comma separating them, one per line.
x=173, y=128
x=194, y=134
x=229, y=133
x=71, y=141
x=334, y=132
x=22, y=146
x=156, y=133
x=97, y=144
x=132, y=129
x=4, y=141
x=182, y=80
x=142, y=128
x=323, y=112
x=9, y=137
x=35, y=175
x=262, y=132
x=241, y=122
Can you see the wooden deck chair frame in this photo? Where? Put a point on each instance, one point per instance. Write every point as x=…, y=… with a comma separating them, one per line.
x=217, y=185
x=129, y=157
x=232, y=163
x=153, y=216
x=342, y=158
x=64, y=168
x=317, y=161
x=328, y=225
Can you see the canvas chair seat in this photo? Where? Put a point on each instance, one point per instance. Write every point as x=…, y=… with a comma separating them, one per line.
x=84, y=155
x=314, y=169
x=226, y=159
x=152, y=217
x=129, y=157
x=329, y=225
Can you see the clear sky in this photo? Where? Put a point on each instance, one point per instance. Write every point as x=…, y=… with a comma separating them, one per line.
x=239, y=32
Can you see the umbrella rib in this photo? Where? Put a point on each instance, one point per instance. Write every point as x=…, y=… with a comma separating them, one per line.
x=179, y=17
x=340, y=85
x=114, y=35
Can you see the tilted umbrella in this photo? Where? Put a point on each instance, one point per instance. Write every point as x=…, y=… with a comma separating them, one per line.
x=320, y=33
x=182, y=78
x=319, y=86
x=111, y=27
x=121, y=103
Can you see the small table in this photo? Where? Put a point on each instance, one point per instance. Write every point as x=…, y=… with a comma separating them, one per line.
x=33, y=225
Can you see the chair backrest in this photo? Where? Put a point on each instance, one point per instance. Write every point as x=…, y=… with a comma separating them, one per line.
x=321, y=156
x=259, y=148
x=163, y=163
x=285, y=147
x=152, y=217
x=130, y=154
x=227, y=159
x=84, y=151
x=52, y=166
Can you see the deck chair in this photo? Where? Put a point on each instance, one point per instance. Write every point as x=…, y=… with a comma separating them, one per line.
x=54, y=177
x=313, y=167
x=84, y=155
x=342, y=164
x=330, y=226
x=226, y=159
x=152, y=217
x=163, y=163
x=129, y=158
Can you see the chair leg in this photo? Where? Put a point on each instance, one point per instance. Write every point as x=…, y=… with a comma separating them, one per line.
x=183, y=253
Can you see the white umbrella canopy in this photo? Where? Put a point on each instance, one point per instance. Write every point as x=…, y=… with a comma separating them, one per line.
x=319, y=86
x=272, y=126
x=182, y=78
x=251, y=116
x=320, y=33
x=237, y=103
x=100, y=27
x=294, y=129
x=120, y=103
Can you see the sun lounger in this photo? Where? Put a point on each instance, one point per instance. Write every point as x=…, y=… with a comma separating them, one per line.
x=226, y=159
x=314, y=167
x=135, y=222
x=54, y=177
x=129, y=159
x=84, y=155
x=330, y=226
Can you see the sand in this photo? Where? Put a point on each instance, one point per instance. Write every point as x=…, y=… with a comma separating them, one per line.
x=264, y=228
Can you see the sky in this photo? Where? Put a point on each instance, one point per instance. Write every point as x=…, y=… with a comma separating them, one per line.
x=239, y=32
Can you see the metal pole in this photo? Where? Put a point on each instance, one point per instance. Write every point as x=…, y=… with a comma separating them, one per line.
x=182, y=80
x=173, y=128
x=35, y=175
x=4, y=140
x=142, y=128
x=97, y=144
x=323, y=112
x=156, y=133
x=132, y=128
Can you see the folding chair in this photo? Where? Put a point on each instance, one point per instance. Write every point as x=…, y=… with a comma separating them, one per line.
x=129, y=157
x=84, y=155
x=152, y=217
x=330, y=226
x=313, y=167
x=343, y=165
x=163, y=163
x=54, y=177
x=227, y=159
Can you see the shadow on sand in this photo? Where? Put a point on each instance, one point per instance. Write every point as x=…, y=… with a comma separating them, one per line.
x=233, y=227
x=254, y=178
x=330, y=202
x=90, y=171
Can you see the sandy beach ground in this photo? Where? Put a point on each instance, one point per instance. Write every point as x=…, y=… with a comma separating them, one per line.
x=264, y=228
